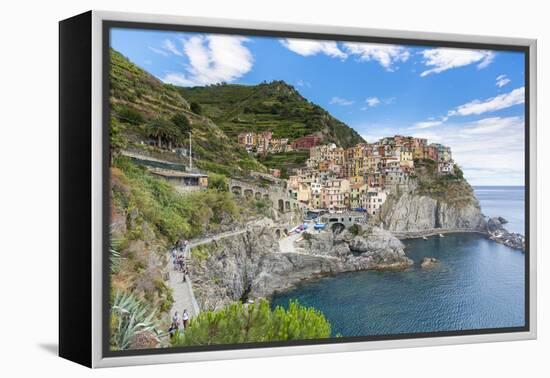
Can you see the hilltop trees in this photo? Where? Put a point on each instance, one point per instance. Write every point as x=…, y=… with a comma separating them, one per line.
x=254, y=322
x=181, y=122
x=172, y=131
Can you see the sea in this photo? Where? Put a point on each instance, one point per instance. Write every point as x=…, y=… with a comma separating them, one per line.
x=477, y=284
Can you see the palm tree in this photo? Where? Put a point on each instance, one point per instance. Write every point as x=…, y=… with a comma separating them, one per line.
x=158, y=128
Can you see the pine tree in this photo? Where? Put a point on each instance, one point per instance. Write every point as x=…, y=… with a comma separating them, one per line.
x=254, y=322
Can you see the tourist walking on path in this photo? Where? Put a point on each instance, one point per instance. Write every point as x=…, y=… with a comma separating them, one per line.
x=185, y=318
x=174, y=258
x=185, y=273
x=176, y=320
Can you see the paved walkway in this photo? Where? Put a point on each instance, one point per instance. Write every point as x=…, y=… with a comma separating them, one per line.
x=182, y=292
x=433, y=232
x=286, y=245
x=183, y=295
x=210, y=239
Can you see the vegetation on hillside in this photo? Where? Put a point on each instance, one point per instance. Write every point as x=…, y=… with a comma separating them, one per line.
x=153, y=117
x=451, y=188
x=275, y=106
x=171, y=214
x=254, y=322
x=285, y=161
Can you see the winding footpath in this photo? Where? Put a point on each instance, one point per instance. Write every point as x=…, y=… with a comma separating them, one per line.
x=182, y=292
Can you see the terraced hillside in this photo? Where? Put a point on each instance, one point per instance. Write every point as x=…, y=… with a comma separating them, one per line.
x=275, y=106
x=155, y=118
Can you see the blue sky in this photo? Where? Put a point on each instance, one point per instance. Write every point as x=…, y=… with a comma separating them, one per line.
x=471, y=100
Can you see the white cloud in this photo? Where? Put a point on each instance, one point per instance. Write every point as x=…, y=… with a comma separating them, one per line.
x=506, y=100
x=425, y=125
x=477, y=107
x=306, y=47
x=491, y=125
x=373, y=101
x=443, y=59
x=431, y=122
x=169, y=45
x=212, y=59
x=386, y=55
x=158, y=51
x=341, y=101
x=489, y=150
x=502, y=80
x=303, y=83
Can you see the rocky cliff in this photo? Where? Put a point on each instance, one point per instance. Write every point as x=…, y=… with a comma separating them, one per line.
x=432, y=201
x=413, y=212
x=250, y=265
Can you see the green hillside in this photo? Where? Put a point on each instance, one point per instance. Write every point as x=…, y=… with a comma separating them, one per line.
x=153, y=117
x=274, y=106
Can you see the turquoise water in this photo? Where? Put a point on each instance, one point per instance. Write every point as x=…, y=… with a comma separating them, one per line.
x=477, y=284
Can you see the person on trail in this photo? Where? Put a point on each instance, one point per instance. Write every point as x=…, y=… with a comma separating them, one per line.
x=174, y=258
x=172, y=330
x=176, y=320
x=181, y=263
x=185, y=318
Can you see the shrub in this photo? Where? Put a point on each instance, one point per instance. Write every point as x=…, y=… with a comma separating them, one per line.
x=196, y=108
x=129, y=115
x=172, y=214
x=218, y=182
x=201, y=252
x=117, y=140
x=255, y=322
x=355, y=229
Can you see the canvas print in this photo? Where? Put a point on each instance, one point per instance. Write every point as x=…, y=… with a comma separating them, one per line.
x=267, y=190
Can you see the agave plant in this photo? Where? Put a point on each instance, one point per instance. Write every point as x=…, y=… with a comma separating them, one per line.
x=129, y=316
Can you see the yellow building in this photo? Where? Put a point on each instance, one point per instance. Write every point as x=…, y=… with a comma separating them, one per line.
x=407, y=159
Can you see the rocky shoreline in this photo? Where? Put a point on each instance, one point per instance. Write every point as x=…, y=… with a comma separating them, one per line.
x=498, y=233
x=251, y=265
x=494, y=230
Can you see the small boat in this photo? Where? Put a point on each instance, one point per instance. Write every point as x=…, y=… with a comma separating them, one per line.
x=319, y=226
x=441, y=236
x=424, y=237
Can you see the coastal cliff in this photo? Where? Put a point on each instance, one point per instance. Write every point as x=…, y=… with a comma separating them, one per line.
x=413, y=212
x=432, y=201
x=251, y=265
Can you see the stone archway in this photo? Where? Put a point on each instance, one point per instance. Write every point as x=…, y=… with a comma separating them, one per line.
x=287, y=206
x=278, y=234
x=248, y=193
x=337, y=228
x=258, y=195
x=237, y=190
x=281, y=206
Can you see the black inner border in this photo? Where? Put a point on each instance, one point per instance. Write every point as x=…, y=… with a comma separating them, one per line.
x=107, y=25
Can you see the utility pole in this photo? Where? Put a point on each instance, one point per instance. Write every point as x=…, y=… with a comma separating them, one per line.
x=190, y=152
